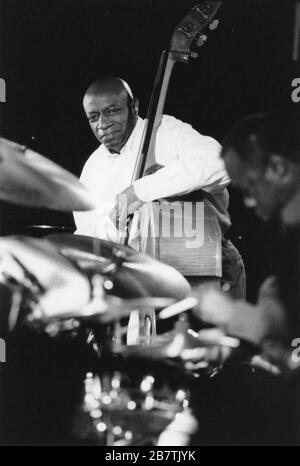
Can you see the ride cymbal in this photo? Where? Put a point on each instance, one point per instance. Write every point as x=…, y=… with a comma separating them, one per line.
x=132, y=273
x=27, y=178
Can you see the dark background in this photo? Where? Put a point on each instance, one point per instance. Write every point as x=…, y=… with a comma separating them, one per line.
x=51, y=50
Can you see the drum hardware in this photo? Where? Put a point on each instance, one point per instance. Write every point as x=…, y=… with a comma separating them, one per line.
x=198, y=353
x=136, y=399
x=13, y=272
x=129, y=274
x=111, y=309
x=16, y=300
x=24, y=286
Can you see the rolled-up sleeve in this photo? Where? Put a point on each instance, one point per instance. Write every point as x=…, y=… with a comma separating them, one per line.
x=197, y=165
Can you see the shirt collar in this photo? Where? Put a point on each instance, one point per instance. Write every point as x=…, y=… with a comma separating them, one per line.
x=132, y=138
x=131, y=142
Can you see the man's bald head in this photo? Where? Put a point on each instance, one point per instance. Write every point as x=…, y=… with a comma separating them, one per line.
x=109, y=85
x=112, y=111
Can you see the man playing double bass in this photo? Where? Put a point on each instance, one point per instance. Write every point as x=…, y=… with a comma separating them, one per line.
x=189, y=161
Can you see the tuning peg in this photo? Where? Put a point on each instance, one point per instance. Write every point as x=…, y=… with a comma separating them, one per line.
x=194, y=55
x=201, y=40
x=214, y=24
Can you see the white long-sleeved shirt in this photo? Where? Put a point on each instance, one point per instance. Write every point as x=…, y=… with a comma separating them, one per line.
x=191, y=161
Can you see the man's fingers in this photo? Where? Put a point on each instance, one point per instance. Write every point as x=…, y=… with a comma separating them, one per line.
x=113, y=216
x=134, y=206
x=125, y=205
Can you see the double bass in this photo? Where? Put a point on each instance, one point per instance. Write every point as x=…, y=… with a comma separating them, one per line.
x=192, y=243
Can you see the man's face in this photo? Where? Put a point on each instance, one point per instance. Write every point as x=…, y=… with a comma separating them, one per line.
x=260, y=188
x=110, y=118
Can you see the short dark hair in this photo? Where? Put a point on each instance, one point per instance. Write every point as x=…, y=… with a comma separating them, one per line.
x=258, y=136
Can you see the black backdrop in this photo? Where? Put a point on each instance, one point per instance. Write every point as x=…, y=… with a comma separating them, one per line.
x=50, y=51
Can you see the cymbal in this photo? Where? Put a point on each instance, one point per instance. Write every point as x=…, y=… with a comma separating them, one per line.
x=39, y=231
x=51, y=228
x=36, y=264
x=109, y=310
x=133, y=274
x=27, y=178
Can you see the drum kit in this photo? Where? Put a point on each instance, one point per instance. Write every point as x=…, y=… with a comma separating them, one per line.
x=87, y=288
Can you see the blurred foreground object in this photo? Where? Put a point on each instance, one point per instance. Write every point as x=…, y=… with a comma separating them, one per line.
x=27, y=178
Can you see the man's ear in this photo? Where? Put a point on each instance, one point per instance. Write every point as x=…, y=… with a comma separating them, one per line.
x=278, y=168
x=135, y=107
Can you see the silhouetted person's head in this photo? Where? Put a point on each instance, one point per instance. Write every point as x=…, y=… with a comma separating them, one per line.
x=261, y=154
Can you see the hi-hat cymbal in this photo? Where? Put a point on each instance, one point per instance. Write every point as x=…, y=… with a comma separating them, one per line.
x=27, y=178
x=132, y=273
x=36, y=264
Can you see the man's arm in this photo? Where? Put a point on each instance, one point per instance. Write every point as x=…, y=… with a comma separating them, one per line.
x=254, y=323
x=198, y=165
x=194, y=163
